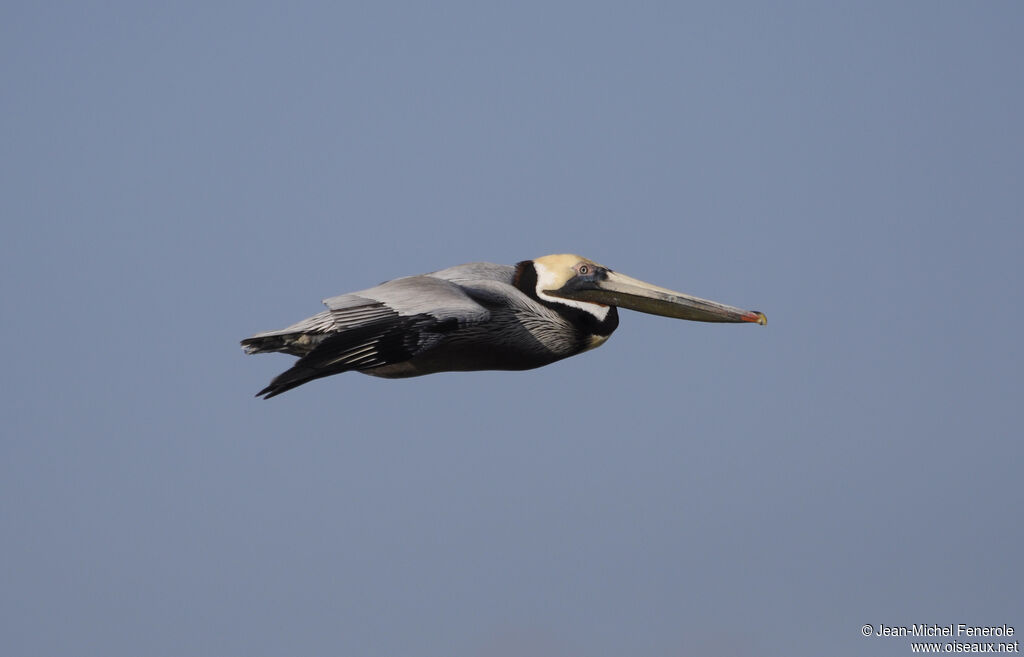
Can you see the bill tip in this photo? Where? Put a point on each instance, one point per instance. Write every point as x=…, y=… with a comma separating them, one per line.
x=757, y=317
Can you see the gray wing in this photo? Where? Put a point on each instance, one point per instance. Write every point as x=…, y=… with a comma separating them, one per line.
x=487, y=283
x=474, y=272
x=383, y=325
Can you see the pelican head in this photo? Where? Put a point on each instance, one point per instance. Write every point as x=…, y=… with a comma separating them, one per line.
x=581, y=283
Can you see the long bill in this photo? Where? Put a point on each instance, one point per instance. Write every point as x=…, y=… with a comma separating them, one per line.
x=617, y=289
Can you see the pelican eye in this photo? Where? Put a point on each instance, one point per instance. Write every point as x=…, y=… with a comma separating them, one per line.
x=583, y=270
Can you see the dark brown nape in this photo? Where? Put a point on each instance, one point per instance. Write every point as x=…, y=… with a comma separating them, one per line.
x=525, y=279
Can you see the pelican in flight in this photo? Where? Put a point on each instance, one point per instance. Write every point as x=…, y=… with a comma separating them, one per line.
x=478, y=316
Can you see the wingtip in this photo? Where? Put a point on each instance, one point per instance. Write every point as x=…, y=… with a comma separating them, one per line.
x=267, y=392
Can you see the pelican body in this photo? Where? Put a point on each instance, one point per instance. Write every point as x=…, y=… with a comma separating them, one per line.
x=478, y=316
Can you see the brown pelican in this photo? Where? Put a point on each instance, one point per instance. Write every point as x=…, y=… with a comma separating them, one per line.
x=479, y=316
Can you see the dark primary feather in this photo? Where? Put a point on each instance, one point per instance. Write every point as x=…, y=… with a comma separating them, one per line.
x=394, y=339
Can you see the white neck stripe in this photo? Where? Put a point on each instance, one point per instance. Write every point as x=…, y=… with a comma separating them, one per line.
x=546, y=279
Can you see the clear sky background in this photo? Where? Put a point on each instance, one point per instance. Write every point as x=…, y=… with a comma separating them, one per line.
x=178, y=176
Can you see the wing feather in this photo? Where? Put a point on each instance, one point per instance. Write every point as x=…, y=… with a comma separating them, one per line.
x=388, y=324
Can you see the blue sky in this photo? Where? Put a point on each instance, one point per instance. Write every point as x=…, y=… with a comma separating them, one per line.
x=179, y=177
